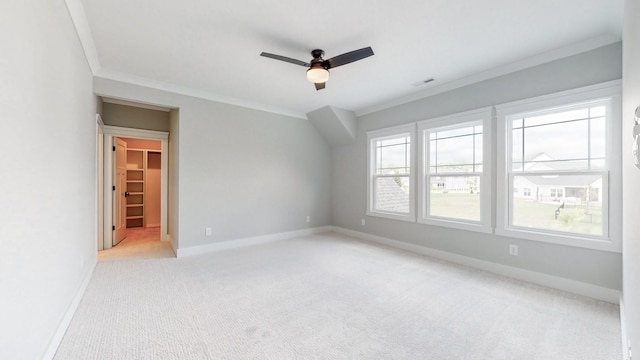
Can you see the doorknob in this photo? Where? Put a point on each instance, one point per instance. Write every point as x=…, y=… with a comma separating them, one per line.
x=126, y=194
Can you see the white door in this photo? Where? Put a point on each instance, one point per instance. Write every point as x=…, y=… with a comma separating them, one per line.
x=121, y=188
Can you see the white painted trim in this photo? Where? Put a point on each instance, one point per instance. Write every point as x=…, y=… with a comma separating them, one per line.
x=99, y=229
x=110, y=133
x=188, y=91
x=173, y=245
x=526, y=63
x=626, y=345
x=55, y=341
x=135, y=104
x=237, y=243
x=164, y=191
x=135, y=133
x=81, y=24
x=556, y=282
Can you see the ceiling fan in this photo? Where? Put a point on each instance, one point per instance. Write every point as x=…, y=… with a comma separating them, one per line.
x=318, y=72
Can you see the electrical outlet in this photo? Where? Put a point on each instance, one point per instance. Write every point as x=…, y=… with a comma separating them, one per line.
x=207, y=231
x=308, y=218
x=513, y=250
x=363, y=222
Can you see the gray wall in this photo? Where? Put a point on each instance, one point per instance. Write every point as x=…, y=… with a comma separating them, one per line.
x=631, y=176
x=135, y=117
x=48, y=156
x=242, y=172
x=349, y=171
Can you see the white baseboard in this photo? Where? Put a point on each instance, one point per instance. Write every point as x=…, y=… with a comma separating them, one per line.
x=232, y=244
x=68, y=315
x=172, y=243
x=556, y=282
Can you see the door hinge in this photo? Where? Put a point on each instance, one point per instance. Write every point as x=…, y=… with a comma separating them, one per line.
x=113, y=228
x=113, y=148
x=114, y=188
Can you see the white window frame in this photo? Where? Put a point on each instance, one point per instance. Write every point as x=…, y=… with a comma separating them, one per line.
x=390, y=133
x=478, y=117
x=612, y=173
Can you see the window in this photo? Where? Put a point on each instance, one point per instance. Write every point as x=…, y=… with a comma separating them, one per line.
x=552, y=174
x=561, y=156
x=454, y=179
x=390, y=173
x=556, y=194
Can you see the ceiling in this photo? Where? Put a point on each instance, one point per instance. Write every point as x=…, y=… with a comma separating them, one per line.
x=211, y=48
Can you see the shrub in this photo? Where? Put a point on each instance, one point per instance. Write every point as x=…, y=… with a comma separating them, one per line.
x=571, y=215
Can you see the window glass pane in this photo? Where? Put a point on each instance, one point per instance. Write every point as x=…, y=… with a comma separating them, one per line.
x=597, y=163
x=517, y=123
x=454, y=132
x=557, y=117
x=566, y=140
x=392, y=194
x=393, y=156
x=456, y=150
x=561, y=141
x=455, y=197
x=478, y=150
x=598, y=111
x=451, y=151
x=516, y=154
x=565, y=203
x=598, y=136
x=393, y=141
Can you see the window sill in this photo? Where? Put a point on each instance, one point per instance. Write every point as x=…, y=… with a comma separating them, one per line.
x=393, y=216
x=460, y=225
x=560, y=239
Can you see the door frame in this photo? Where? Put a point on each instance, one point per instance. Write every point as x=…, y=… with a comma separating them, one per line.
x=110, y=133
x=100, y=182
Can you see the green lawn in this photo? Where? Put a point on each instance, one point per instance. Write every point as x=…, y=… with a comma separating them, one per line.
x=527, y=213
x=576, y=219
x=456, y=205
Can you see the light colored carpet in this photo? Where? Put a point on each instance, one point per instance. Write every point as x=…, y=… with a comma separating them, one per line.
x=329, y=297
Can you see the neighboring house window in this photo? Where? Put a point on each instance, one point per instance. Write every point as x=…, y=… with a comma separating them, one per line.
x=454, y=183
x=562, y=153
x=390, y=173
x=556, y=193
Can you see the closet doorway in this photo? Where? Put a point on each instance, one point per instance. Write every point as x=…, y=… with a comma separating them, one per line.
x=136, y=176
x=138, y=179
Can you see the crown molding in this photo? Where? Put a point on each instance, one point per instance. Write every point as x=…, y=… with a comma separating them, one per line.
x=529, y=62
x=192, y=92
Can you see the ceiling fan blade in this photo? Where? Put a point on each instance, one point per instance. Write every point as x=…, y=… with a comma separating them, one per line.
x=285, y=59
x=347, y=58
x=320, y=86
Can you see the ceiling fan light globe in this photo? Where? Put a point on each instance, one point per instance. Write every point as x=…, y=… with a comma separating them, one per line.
x=317, y=74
